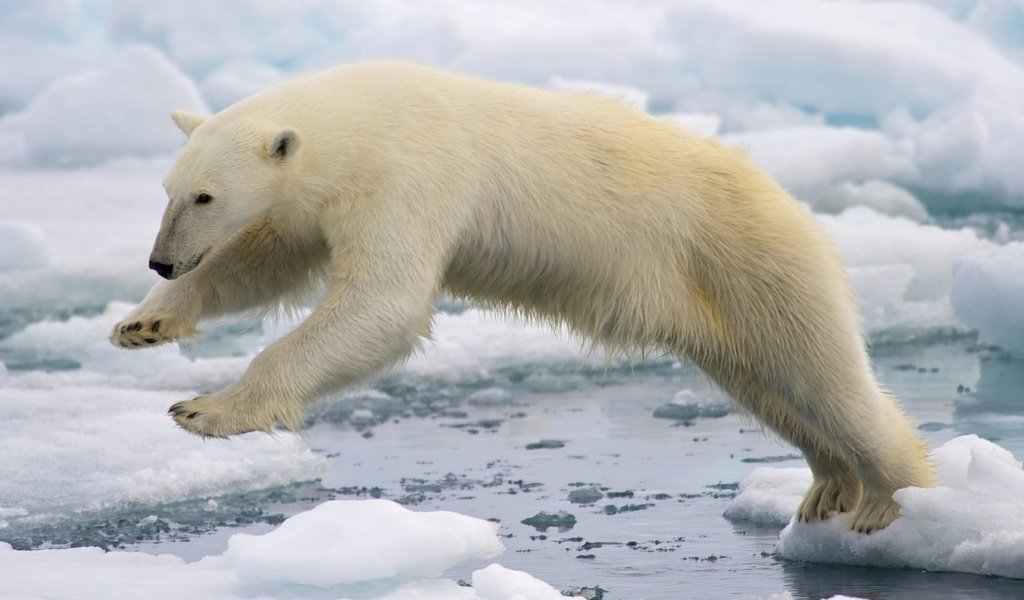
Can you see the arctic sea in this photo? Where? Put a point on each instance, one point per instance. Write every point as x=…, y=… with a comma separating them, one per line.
x=506, y=460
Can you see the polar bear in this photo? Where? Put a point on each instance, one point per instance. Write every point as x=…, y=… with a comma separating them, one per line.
x=386, y=183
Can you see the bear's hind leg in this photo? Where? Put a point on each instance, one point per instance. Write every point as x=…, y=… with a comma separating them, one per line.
x=874, y=437
x=836, y=487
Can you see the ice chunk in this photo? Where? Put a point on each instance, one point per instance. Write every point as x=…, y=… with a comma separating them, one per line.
x=66, y=449
x=495, y=582
x=372, y=549
x=902, y=271
x=476, y=340
x=813, y=157
x=973, y=523
x=769, y=496
x=880, y=196
x=987, y=291
x=346, y=542
x=94, y=115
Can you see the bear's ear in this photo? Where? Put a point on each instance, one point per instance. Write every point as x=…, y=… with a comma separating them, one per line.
x=284, y=144
x=187, y=121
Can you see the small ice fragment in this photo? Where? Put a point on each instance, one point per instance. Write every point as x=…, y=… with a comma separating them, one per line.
x=495, y=582
x=771, y=459
x=545, y=445
x=541, y=521
x=687, y=406
x=587, y=495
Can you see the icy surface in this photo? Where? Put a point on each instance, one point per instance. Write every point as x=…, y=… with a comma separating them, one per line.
x=917, y=92
x=341, y=542
x=988, y=289
x=64, y=449
x=902, y=271
x=897, y=122
x=372, y=549
x=972, y=523
x=72, y=121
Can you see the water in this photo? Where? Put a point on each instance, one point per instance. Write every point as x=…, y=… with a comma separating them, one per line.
x=657, y=532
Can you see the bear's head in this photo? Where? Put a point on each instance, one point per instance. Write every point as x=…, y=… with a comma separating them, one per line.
x=227, y=174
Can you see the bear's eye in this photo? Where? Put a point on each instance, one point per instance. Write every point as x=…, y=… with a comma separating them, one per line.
x=203, y=198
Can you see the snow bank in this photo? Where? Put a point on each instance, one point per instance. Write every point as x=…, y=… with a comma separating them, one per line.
x=974, y=523
x=372, y=549
x=987, y=290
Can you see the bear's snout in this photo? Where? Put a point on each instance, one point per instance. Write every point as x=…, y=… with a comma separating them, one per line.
x=161, y=269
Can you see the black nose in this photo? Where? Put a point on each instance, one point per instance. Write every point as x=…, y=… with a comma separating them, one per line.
x=161, y=269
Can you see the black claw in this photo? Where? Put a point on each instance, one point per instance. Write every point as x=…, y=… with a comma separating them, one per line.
x=192, y=415
x=135, y=326
x=155, y=327
x=150, y=340
x=135, y=344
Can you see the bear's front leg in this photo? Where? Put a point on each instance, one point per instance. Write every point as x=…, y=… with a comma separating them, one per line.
x=164, y=315
x=269, y=394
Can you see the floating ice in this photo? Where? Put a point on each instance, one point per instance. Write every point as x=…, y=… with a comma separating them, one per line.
x=769, y=495
x=22, y=246
x=342, y=543
x=932, y=90
x=811, y=157
x=495, y=582
x=476, y=340
x=876, y=194
x=987, y=290
x=902, y=272
x=95, y=115
x=93, y=446
x=974, y=523
x=372, y=549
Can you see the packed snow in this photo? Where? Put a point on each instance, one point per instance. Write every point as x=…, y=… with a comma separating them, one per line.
x=897, y=123
x=972, y=523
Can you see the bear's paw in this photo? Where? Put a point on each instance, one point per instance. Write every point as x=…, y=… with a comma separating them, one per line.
x=874, y=512
x=144, y=331
x=228, y=413
x=828, y=496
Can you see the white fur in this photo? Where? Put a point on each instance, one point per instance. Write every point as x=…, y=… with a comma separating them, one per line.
x=397, y=181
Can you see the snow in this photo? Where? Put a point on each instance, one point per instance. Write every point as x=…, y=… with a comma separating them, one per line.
x=931, y=89
x=369, y=549
x=902, y=271
x=93, y=115
x=891, y=120
x=972, y=523
x=64, y=448
x=339, y=542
